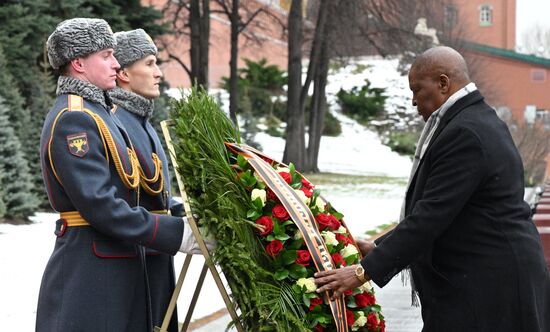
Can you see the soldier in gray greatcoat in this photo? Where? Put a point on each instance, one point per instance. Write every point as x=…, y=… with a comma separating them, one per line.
x=138, y=84
x=96, y=278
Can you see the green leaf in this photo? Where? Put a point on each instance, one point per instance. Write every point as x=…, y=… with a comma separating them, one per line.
x=281, y=274
x=295, y=244
x=288, y=257
x=242, y=162
x=253, y=214
x=351, y=302
x=297, y=271
x=288, y=222
x=292, y=168
x=282, y=237
x=306, y=300
x=258, y=204
x=270, y=237
x=337, y=215
x=351, y=259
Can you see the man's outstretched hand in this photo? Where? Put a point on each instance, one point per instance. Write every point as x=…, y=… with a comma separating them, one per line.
x=337, y=280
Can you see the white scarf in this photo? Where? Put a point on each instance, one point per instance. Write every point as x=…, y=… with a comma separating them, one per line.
x=428, y=132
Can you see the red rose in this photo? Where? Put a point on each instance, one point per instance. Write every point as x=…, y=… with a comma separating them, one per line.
x=324, y=221
x=319, y=328
x=302, y=257
x=274, y=247
x=364, y=299
x=267, y=224
x=334, y=223
x=372, y=322
x=382, y=325
x=306, y=192
x=280, y=212
x=286, y=176
x=306, y=184
x=338, y=260
x=315, y=302
x=343, y=238
x=348, y=292
x=271, y=195
x=350, y=317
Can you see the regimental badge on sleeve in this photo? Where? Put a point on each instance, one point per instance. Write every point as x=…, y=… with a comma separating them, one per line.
x=78, y=144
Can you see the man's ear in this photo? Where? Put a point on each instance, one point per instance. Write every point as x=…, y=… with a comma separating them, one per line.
x=77, y=65
x=444, y=83
x=122, y=76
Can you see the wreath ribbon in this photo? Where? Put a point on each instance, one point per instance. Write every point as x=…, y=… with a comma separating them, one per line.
x=302, y=217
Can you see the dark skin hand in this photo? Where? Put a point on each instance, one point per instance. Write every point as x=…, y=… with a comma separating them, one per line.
x=342, y=279
x=365, y=246
x=337, y=280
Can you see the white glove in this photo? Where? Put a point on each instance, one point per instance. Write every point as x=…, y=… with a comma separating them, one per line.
x=189, y=244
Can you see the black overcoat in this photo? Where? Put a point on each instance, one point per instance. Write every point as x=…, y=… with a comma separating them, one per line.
x=474, y=252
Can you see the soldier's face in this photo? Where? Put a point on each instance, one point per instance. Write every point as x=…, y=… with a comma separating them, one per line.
x=100, y=69
x=144, y=77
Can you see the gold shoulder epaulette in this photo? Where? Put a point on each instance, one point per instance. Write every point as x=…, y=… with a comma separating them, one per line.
x=75, y=103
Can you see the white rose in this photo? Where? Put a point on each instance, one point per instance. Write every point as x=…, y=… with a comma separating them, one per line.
x=258, y=193
x=366, y=287
x=330, y=238
x=359, y=321
x=320, y=203
x=348, y=250
x=302, y=196
x=341, y=230
x=297, y=235
x=283, y=169
x=309, y=283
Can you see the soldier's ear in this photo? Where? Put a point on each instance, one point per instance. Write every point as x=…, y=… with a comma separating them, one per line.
x=122, y=76
x=77, y=65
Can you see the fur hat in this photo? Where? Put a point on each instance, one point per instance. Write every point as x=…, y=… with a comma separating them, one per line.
x=78, y=37
x=133, y=45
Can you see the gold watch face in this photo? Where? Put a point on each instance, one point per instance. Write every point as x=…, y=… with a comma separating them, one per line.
x=359, y=271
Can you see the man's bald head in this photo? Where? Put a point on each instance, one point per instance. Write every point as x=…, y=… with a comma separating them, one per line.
x=435, y=75
x=443, y=60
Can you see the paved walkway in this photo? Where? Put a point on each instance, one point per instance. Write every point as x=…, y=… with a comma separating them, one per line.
x=396, y=307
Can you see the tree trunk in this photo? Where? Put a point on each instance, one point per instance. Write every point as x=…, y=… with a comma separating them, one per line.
x=233, y=75
x=318, y=109
x=202, y=78
x=295, y=140
x=195, y=51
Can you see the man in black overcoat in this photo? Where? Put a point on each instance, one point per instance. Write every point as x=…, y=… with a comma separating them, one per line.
x=474, y=254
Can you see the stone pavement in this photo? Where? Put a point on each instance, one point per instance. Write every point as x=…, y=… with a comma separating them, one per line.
x=396, y=308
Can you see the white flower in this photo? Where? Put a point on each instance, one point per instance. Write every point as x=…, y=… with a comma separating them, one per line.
x=359, y=321
x=283, y=169
x=348, y=250
x=309, y=283
x=297, y=235
x=366, y=287
x=302, y=196
x=341, y=230
x=320, y=203
x=258, y=193
x=330, y=238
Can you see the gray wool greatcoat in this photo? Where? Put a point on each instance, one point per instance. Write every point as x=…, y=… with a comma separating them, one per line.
x=97, y=279
x=474, y=253
x=160, y=266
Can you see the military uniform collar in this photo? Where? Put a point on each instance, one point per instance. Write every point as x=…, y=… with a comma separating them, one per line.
x=71, y=85
x=132, y=102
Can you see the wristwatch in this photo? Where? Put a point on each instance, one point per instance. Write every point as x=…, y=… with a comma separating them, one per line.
x=360, y=273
